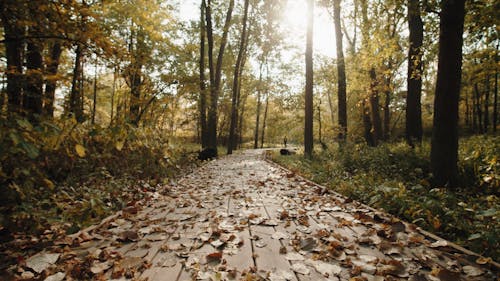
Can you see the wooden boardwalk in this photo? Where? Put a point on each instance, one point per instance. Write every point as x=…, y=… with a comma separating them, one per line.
x=242, y=218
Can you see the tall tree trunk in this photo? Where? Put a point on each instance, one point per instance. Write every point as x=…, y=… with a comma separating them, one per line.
x=387, y=111
x=236, y=82
x=33, y=92
x=487, y=104
x=341, y=82
x=467, y=110
x=240, y=122
x=308, y=124
x=375, y=108
x=203, y=89
x=215, y=71
x=444, y=144
x=264, y=120
x=320, y=135
x=113, y=91
x=75, y=96
x=367, y=123
x=259, y=105
x=13, y=34
x=51, y=83
x=479, y=111
x=414, y=76
x=94, y=94
x=495, y=102
x=332, y=111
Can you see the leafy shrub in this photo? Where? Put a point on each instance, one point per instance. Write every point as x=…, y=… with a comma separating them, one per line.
x=395, y=178
x=63, y=171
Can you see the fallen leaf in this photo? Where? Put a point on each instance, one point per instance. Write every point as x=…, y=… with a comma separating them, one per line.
x=100, y=267
x=308, y=244
x=56, y=277
x=80, y=150
x=300, y=268
x=42, y=261
x=216, y=256
x=483, y=260
x=128, y=236
x=439, y=243
x=326, y=269
x=472, y=271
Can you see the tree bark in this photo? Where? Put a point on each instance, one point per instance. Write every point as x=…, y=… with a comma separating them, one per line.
x=495, y=102
x=487, y=104
x=51, y=83
x=75, y=98
x=264, y=120
x=33, y=91
x=13, y=34
x=308, y=124
x=479, y=111
x=215, y=72
x=341, y=83
x=414, y=76
x=113, y=90
x=203, y=92
x=444, y=143
x=374, y=108
x=367, y=123
x=259, y=105
x=94, y=94
x=236, y=82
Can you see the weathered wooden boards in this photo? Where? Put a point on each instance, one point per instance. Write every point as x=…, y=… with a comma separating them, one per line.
x=242, y=218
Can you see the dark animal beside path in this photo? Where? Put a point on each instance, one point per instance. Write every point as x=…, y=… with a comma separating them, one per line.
x=207, y=154
x=285, y=151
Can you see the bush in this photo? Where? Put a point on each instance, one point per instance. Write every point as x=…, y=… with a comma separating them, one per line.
x=395, y=178
x=66, y=172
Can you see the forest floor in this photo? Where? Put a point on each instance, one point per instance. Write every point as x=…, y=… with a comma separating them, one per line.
x=242, y=217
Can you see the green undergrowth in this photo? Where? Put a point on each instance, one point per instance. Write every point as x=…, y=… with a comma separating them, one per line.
x=395, y=178
x=70, y=174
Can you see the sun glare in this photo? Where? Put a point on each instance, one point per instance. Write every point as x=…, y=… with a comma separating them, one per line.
x=295, y=19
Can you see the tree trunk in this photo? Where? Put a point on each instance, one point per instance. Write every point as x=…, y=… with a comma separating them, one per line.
x=374, y=108
x=13, y=34
x=308, y=124
x=387, y=111
x=51, y=83
x=495, y=102
x=414, y=76
x=236, y=82
x=487, y=104
x=367, y=123
x=33, y=91
x=215, y=72
x=332, y=111
x=94, y=94
x=341, y=83
x=467, y=111
x=259, y=105
x=444, y=144
x=479, y=111
x=75, y=95
x=240, y=122
x=264, y=120
x=203, y=89
x=113, y=90
x=320, y=135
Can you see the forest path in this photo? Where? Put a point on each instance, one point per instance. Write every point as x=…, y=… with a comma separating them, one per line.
x=241, y=217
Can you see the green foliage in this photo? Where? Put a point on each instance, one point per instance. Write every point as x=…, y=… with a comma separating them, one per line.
x=65, y=171
x=395, y=178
